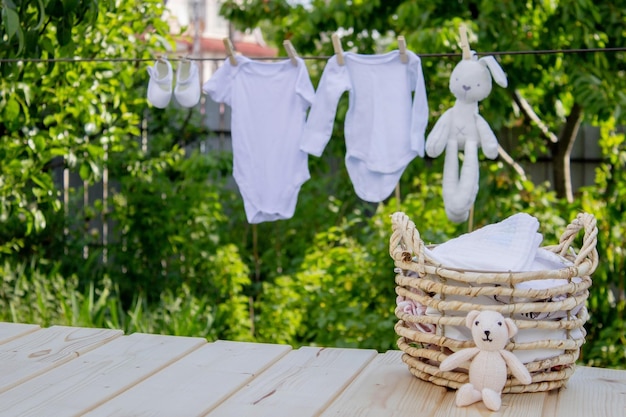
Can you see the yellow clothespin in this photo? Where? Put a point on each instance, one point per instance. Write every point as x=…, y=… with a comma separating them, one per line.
x=402, y=48
x=291, y=51
x=338, y=49
x=230, y=51
x=467, y=54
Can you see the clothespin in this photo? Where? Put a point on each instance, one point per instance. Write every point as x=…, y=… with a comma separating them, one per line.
x=291, y=51
x=402, y=48
x=230, y=51
x=338, y=49
x=467, y=54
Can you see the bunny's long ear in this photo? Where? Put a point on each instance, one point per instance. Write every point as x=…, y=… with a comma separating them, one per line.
x=496, y=71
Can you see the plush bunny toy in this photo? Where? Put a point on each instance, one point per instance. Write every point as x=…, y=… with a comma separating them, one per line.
x=488, y=370
x=461, y=127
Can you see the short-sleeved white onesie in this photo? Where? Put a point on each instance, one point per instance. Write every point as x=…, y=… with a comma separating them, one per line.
x=269, y=101
x=385, y=123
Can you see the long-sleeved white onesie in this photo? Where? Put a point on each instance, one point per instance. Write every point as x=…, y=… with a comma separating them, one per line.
x=385, y=123
x=269, y=101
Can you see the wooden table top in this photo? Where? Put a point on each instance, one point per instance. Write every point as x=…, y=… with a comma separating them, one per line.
x=68, y=371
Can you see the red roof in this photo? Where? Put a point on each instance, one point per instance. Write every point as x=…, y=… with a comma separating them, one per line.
x=250, y=49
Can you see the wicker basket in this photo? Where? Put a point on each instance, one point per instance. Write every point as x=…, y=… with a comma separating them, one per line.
x=454, y=292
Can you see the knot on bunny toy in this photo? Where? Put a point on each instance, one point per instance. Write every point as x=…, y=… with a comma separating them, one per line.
x=462, y=128
x=489, y=360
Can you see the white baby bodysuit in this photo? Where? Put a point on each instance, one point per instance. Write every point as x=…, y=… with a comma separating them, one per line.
x=384, y=126
x=269, y=101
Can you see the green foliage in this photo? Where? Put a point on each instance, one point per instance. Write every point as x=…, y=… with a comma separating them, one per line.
x=167, y=249
x=60, y=114
x=305, y=25
x=334, y=298
x=607, y=302
x=87, y=117
x=29, y=296
x=25, y=21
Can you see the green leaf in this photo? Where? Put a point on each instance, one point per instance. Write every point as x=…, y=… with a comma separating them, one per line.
x=55, y=8
x=32, y=44
x=40, y=181
x=42, y=14
x=84, y=172
x=27, y=92
x=20, y=39
x=47, y=45
x=69, y=6
x=39, y=220
x=12, y=21
x=64, y=33
x=11, y=110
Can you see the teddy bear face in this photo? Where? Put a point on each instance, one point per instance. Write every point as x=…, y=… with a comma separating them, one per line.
x=470, y=81
x=490, y=330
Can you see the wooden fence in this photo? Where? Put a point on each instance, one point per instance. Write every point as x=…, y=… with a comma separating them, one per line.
x=585, y=158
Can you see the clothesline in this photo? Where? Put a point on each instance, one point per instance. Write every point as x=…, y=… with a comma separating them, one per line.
x=179, y=57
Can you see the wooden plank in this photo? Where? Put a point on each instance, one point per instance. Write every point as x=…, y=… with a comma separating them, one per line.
x=592, y=392
x=37, y=352
x=203, y=379
x=387, y=388
x=301, y=384
x=86, y=382
x=521, y=405
x=10, y=331
x=513, y=405
x=530, y=404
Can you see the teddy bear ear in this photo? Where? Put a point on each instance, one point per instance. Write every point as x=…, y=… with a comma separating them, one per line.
x=510, y=325
x=496, y=70
x=471, y=316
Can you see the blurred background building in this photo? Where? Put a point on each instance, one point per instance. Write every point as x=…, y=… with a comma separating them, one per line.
x=200, y=31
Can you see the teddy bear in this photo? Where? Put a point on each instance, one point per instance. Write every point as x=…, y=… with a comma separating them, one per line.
x=489, y=360
x=462, y=128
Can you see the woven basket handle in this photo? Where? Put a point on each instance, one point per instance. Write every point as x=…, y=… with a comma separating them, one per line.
x=405, y=240
x=588, y=251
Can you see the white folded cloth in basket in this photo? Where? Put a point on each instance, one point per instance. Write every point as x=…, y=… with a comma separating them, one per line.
x=509, y=245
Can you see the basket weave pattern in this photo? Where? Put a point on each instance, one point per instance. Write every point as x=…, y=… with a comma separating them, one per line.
x=454, y=292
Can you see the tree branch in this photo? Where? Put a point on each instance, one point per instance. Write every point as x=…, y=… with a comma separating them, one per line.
x=509, y=160
x=562, y=151
x=528, y=111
